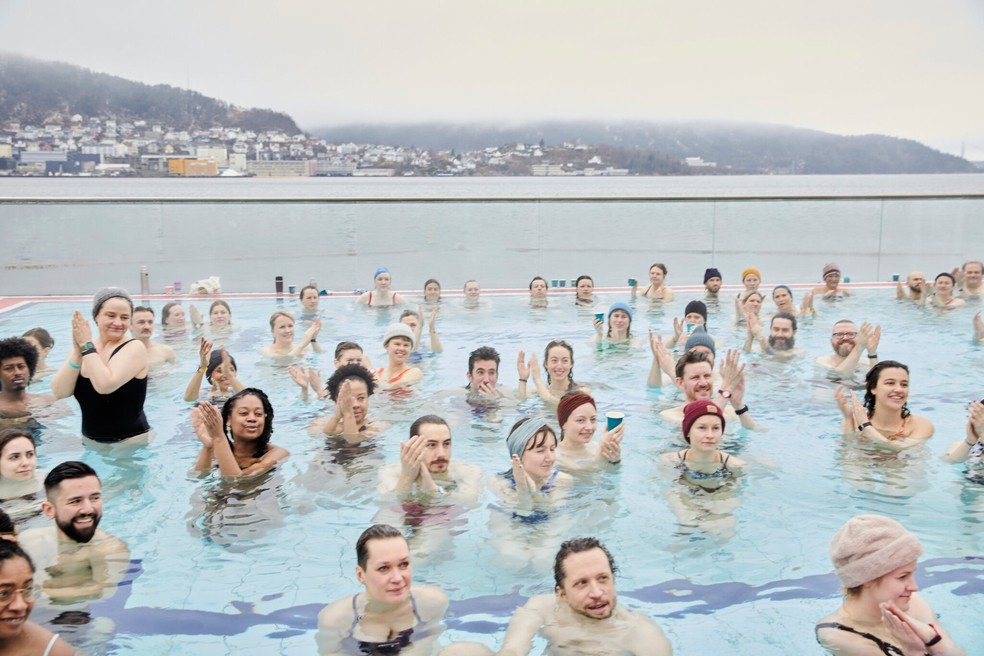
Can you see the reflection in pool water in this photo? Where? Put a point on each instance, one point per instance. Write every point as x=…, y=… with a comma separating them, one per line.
x=245, y=566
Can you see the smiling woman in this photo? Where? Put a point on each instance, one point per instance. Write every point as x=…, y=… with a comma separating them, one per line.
x=106, y=374
x=17, y=634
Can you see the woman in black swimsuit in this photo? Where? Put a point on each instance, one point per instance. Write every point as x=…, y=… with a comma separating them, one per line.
x=107, y=374
x=391, y=614
x=875, y=559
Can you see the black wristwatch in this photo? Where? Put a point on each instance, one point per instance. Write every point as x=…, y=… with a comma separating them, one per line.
x=87, y=348
x=742, y=411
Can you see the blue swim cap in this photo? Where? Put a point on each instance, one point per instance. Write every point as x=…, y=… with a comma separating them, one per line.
x=379, y=271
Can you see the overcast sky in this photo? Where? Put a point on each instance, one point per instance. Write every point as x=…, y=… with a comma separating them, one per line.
x=907, y=68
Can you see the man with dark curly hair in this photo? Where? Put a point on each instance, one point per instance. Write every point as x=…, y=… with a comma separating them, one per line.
x=18, y=361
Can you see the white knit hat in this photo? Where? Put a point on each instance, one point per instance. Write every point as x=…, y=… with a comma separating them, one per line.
x=870, y=546
x=398, y=330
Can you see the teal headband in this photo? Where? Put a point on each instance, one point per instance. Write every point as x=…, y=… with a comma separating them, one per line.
x=525, y=432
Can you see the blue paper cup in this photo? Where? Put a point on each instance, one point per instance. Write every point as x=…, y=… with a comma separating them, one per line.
x=614, y=419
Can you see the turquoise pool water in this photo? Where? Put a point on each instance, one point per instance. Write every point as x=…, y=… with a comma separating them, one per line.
x=223, y=567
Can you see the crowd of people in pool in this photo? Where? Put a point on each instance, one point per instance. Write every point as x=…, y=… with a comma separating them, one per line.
x=107, y=371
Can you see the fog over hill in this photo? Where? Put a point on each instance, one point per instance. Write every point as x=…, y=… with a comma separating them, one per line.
x=742, y=146
x=35, y=92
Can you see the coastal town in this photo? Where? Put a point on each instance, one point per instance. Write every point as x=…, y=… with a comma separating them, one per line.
x=104, y=146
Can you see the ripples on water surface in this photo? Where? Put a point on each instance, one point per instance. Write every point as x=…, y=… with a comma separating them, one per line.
x=230, y=566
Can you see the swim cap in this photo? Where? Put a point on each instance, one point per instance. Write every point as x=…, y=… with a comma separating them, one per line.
x=829, y=268
x=749, y=270
x=620, y=306
x=697, y=409
x=107, y=293
x=696, y=307
x=569, y=403
x=711, y=273
x=778, y=287
x=519, y=438
x=379, y=271
x=398, y=330
x=870, y=546
x=700, y=338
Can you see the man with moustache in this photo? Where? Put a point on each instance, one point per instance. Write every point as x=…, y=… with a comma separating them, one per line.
x=849, y=343
x=75, y=559
x=781, y=342
x=18, y=361
x=142, y=328
x=426, y=468
x=583, y=616
x=915, y=288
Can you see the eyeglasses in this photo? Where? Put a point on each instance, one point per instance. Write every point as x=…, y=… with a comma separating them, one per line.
x=7, y=595
x=844, y=335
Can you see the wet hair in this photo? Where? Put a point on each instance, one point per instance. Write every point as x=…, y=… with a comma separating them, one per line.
x=948, y=275
x=691, y=357
x=300, y=294
x=166, y=310
x=969, y=262
x=578, y=545
x=374, y=532
x=662, y=267
x=871, y=382
x=9, y=550
x=350, y=372
x=66, y=471
x=427, y=419
x=750, y=294
x=570, y=349
x=345, y=346
x=465, y=286
x=143, y=308
x=280, y=313
x=411, y=313
x=43, y=336
x=432, y=280
x=482, y=353
x=535, y=278
x=214, y=360
x=18, y=347
x=218, y=303
x=263, y=442
x=580, y=278
x=8, y=435
x=784, y=315
x=7, y=528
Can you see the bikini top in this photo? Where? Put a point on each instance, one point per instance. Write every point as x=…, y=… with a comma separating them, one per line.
x=721, y=472
x=887, y=648
x=391, y=646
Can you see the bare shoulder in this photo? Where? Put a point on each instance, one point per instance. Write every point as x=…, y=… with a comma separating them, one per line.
x=543, y=605
x=336, y=615
x=645, y=631
x=431, y=601
x=922, y=427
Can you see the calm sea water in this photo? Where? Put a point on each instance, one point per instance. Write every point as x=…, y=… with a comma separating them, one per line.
x=527, y=187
